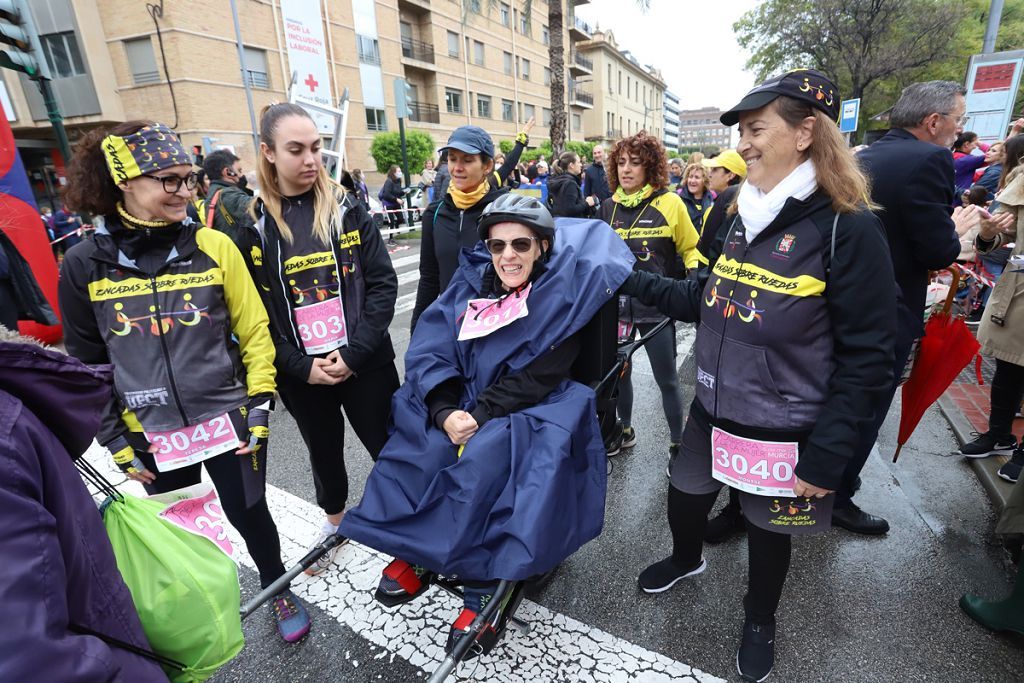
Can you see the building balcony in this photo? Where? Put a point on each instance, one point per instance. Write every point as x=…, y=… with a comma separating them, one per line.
x=417, y=54
x=580, y=30
x=580, y=2
x=581, y=98
x=580, y=65
x=424, y=113
x=612, y=134
x=416, y=6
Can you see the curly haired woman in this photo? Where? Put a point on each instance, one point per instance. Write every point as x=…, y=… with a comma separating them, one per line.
x=655, y=225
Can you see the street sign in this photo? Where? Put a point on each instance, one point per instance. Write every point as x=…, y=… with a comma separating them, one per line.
x=849, y=112
x=992, y=82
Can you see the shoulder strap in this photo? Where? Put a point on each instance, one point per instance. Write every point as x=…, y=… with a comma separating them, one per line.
x=210, y=207
x=134, y=649
x=831, y=248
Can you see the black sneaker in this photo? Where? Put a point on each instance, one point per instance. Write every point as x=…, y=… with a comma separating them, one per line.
x=986, y=444
x=628, y=437
x=756, y=656
x=727, y=522
x=661, y=576
x=614, y=445
x=1010, y=471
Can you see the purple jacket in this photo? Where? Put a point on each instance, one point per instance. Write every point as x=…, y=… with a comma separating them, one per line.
x=57, y=566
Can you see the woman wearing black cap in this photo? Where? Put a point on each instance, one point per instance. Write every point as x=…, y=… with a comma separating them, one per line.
x=449, y=225
x=789, y=359
x=495, y=468
x=173, y=309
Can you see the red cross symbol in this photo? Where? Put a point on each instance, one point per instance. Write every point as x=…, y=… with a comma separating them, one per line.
x=311, y=82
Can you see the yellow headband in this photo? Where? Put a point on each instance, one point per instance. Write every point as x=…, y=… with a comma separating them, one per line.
x=151, y=148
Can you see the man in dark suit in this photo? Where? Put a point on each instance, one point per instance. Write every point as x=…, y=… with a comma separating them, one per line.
x=911, y=171
x=595, y=180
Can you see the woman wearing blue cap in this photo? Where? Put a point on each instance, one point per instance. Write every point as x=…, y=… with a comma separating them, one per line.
x=789, y=360
x=173, y=309
x=449, y=225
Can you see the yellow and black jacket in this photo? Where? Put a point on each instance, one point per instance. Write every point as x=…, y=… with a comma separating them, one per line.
x=174, y=310
x=659, y=233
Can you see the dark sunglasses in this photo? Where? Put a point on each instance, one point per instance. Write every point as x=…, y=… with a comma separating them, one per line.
x=173, y=183
x=519, y=244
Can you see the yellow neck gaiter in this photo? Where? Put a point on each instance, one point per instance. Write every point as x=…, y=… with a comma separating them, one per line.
x=631, y=200
x=464, y=200
x=130, y=221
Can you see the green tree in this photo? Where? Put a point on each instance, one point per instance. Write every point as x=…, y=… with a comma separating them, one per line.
x=386, y=150
x=864, y=44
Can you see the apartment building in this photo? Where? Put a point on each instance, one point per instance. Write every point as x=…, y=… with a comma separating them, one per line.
x=671, y=113
x=701, y=128
x=468, y=62
x=627, y=97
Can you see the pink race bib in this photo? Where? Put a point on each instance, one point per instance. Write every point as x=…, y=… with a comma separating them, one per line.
x=484, y=316
x=322, y=326
x=186, y=446
x=764, y=468
x=202, y=517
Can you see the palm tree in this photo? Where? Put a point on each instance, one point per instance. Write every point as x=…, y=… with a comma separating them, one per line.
x=556, y=62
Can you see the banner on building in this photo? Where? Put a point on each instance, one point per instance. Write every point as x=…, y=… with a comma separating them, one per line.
x=307, y=57
x=992, y=82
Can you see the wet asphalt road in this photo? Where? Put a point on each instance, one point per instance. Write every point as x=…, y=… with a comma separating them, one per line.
x=854, y=609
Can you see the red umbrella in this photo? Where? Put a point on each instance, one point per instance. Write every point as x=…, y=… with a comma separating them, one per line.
x=946, y=349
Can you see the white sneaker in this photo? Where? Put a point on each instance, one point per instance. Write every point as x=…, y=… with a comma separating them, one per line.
x=325, y=561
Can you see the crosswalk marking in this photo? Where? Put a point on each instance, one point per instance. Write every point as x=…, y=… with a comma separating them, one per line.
x=557, y=648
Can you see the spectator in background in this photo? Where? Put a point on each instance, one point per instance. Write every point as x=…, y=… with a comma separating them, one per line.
x=20, y=296
x=66, y=222
x=965, y=162
x=696, y=158
x=595, y=178
x=542, y=172
x=227, y=202
x=531, y=171
x=442, y=177
x=46, y=214
x=696, y=195
x=517, y=177
x=391, y=196
x=565, y=194
x=675, y=173
x=989, y=178
x=359, y=187
x=426, y=184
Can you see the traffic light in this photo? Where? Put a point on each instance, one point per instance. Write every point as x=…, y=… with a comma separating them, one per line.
x=403, y=98
x=19, y=42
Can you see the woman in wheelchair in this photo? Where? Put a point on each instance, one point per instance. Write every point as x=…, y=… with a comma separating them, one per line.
x=495, y=468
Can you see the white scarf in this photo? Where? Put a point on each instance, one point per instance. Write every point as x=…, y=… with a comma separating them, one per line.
x=758, y=209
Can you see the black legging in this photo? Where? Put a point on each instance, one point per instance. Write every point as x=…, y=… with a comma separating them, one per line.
x=768, y=552
x=254, y=522
x=1007, y=392
x=316, y=408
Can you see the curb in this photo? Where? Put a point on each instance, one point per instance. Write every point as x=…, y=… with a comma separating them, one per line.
x=985, y=468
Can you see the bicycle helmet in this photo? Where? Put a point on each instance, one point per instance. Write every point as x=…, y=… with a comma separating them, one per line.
x=518, y=208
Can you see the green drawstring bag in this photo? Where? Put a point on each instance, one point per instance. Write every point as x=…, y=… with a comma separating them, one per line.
x=184, y=588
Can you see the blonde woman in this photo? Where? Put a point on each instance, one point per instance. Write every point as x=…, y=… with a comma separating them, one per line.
x=330, y=289
x=695, y=192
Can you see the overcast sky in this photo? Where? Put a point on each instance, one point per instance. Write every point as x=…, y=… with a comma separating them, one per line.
x=691, y=42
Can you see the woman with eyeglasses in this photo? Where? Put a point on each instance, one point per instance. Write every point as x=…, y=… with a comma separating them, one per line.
x=655, y=225
x=172, y=307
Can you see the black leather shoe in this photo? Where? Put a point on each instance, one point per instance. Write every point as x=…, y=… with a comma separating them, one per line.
x=852, y=518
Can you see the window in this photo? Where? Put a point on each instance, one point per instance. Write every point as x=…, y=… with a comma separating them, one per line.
x=544, y=35
x=453, y=101
x=507, y=109
x=547, y=76
x=507, y=59
x=453, y=44
x=577, y=123
x=524, y=24
x=526, y=69
x=369, y=50
x=505, y=12
x=142, y=61
x=620, y=82
x=529, y=111
x=645, y=94
x=376, y=119
x=483, y=106
x=62, y=55
x=610, y=88
x=545, y=117
x=474, y=5
x=629, y=85
x=478, y=53
x=256, y=67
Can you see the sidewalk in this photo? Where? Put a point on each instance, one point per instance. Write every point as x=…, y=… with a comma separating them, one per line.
x=965, y=404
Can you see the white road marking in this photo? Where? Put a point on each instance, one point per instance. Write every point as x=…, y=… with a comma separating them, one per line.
x=558, y=647
x=405, y=261
x=406, y=302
